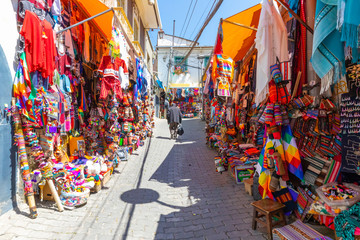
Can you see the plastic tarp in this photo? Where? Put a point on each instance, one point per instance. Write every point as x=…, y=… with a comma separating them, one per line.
x=238, y=40
x=103, y=22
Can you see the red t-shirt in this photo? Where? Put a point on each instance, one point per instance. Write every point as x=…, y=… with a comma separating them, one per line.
x=50, y=51
x=39, y=45
x=34, y=48
x=110, y=69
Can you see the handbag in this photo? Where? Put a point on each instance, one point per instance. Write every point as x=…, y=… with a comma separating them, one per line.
x=275, y=72
x=285, y=69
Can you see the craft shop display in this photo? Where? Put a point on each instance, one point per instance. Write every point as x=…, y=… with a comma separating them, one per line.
x=79, y=109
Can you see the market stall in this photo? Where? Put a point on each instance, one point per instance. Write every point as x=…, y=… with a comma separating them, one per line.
x=81, y=99
x=271, y=117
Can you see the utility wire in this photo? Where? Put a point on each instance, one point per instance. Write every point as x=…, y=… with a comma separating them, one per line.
x=202, y=29
x=190, y=18
x=187, y=14
x=206, y=16
x=198, y=22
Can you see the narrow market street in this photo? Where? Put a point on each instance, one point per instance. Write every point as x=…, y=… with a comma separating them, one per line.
x=167, y=190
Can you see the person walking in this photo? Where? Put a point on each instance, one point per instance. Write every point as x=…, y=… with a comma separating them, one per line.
x=174, y=117
x=166, y=107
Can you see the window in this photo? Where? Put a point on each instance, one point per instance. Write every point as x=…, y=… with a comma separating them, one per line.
x=148, y=59
x=136, y=30
x=206, y=60
x=178, y=60
x=136, y=24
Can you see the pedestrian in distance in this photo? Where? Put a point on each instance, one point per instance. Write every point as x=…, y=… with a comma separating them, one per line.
x=174, y=118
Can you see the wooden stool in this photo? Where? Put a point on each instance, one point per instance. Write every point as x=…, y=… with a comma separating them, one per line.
x=268, y=208
x=248, y=183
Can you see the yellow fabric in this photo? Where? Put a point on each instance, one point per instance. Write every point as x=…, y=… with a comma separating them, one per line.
x=238, y=40
x=103, y=22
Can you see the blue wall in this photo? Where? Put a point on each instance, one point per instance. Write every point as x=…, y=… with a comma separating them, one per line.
x=7, y=152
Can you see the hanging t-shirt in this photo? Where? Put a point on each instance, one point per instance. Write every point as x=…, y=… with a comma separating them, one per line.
x=34, y=49
x=223, y=66
x=50, y=50
x=63, y=64
x=39, y=45
x=111, y=68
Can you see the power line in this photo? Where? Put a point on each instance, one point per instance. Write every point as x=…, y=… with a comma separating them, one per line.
x=207, y=14
x=202, y=16
x=190, y=18
x=202, y=29
x=186, y=17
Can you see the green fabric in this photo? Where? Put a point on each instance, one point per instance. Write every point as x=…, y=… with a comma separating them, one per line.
x=350, y=28
x=347, y=221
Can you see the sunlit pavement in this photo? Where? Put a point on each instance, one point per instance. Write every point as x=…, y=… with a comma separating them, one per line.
x=167, y=190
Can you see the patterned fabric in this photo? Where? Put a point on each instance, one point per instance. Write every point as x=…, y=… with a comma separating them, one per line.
x=303, y=203
x=328, y=221
x=265, y=175
x=298, y=231
x=223, y=67
x=283, y=196
x=347, y=221
x=333, y=172
x=314, y=169
x=292, y=154
x=285, y=70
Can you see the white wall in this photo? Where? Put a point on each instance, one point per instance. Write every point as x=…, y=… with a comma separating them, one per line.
x=194, y=73
x=9, y=34
x=168, y=39
x=8, y=163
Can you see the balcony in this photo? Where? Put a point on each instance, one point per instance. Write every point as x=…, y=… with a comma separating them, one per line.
x=138, y=48
x=125, y=23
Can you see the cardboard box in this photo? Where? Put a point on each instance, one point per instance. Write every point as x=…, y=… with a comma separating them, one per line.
x=47, y=195
x=106, y=178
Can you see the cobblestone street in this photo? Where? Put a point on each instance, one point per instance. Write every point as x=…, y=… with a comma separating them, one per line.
x=167, y=190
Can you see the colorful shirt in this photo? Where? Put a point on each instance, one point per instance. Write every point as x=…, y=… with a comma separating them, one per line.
x=223, y=66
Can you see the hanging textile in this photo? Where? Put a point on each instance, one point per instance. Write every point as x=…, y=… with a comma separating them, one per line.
x=328, y=50
x=348, y=23
x=265, y=174
x=292, y=154
x=219, y=38
x=271, y=42
x=300, y=56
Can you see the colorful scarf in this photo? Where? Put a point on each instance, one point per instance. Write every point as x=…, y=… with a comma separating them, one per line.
x=348, y=23
x=328, y=50
x=292, y=154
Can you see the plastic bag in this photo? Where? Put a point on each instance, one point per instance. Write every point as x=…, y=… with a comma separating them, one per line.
x=180, y=130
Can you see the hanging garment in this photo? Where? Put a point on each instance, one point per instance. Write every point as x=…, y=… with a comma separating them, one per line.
x=300, y=56
x=328, y=50
x=87, y=42
x=223, y=67
x=223, y=87
x=271, y=42
x=207, y=81
x=348, y=22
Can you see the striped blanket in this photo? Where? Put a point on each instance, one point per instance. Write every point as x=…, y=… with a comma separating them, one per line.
x=299, y=231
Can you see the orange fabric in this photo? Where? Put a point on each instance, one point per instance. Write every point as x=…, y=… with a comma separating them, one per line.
x=238, y=40
x=104, y=22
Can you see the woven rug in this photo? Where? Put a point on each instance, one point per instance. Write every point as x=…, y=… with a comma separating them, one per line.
x=299, y=231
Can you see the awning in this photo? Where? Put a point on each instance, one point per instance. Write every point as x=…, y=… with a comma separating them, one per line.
x=103, y=22
x=237, y=40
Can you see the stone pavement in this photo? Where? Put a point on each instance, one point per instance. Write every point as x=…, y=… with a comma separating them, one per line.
x=168, y=190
